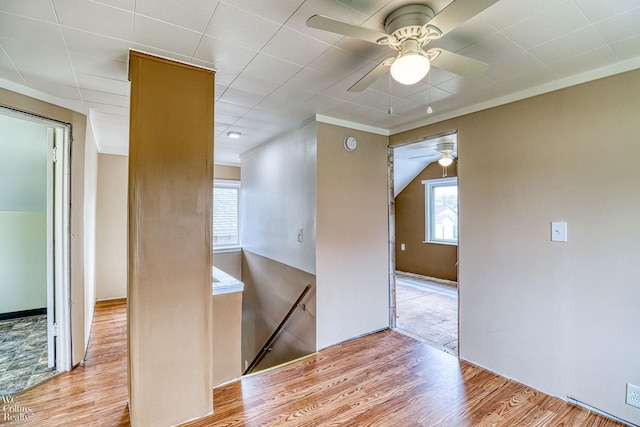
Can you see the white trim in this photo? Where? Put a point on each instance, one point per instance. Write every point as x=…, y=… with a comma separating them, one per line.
x=62, y=248
x=351, y=125
x=428, y=186
x=51, y=307
x=223, y=249
x=618, y=68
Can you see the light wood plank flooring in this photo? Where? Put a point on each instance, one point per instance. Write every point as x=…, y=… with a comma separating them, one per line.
x=384, y=379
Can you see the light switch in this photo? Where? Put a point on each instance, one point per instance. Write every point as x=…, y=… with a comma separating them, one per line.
x=402, y=246
x=559, y=231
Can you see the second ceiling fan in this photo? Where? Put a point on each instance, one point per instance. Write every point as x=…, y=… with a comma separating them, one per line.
x=409, y=29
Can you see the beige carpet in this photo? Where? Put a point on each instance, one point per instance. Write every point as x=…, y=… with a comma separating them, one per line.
x=428, y=311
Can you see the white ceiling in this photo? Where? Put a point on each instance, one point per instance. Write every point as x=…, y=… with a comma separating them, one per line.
x=274, y=73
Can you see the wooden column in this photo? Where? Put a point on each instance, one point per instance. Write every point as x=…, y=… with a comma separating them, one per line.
x=170, y=208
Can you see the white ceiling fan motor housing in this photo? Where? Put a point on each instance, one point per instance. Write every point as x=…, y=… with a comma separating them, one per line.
x=407, y=21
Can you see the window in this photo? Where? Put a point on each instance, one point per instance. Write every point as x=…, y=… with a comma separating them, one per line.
x=226, y=214
x=441, y=210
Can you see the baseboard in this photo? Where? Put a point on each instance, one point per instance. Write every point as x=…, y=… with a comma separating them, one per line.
x=114, y=299
x=432, y=279
x=23, y=313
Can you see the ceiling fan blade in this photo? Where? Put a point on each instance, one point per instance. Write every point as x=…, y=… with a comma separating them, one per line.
x=325, y=23
x=458, y=64
x=456, y=13
x=372, y=76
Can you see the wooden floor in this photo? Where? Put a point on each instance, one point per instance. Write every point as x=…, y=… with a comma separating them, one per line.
x=384, y=379
x=91, y=395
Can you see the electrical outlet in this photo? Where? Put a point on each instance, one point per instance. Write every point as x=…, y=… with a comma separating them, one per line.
x=633, y=395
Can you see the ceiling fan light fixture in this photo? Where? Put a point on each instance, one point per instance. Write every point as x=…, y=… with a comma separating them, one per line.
x=446, y=160
x=411, y=65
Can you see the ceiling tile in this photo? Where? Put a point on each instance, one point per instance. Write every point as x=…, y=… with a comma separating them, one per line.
x=312, y=80
x=294, y=47
x=241, y=28
x=152, y=50
x=193, y=14
x=231, y=109
x=7, y=69
x=277, y=11
x=104, y=98
x=579, y=41
x=548, y=25
x=271, y=68
x=254, y=85
x=239, y=97
x=122, y=4
x=30, y=30
x=627, y=49
x=596, y=10
x=112, y=109
x=339, y=62
x=60, y=90
x=503, y=56
x=36, y=9
x=620, y=27
x=99, y=66
x=514, y=11
x=226, y=56
x=158, y=34
x=587, y=61
x=461, y=84
x=95, y=18
x=36, y=62
x=96, y=45
x=529, y=79
x=294, y=96
x=103, y=84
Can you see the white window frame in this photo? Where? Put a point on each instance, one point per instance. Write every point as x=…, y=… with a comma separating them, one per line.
x=429, y=185
x=226, y=183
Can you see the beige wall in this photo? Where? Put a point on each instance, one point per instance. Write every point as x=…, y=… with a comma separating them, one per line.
x=352, y=262
x=270, y=289
x=227, y=330
x=226, y=172
x=229, y=262
x=111, y=233
x=561, y=317
x=427, y=259
x=170, y=206
x=78, y=256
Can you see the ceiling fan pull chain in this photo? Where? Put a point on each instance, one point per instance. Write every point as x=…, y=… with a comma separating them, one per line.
x=390, y=110
x=429, y=109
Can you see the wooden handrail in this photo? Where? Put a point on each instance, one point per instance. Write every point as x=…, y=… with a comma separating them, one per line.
x=267, y=346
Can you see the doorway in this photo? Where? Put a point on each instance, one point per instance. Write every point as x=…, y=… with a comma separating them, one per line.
x=34, y=271
x=424, y=230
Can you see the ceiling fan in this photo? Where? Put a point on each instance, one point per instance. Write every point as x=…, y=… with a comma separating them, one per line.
x=409, y=29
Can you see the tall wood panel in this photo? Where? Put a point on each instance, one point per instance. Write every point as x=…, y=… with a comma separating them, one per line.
x=170, y=208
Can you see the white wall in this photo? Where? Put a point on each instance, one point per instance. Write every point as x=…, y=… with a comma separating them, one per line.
x=352, y=243
x=90, y=190
x=111, y=221
x=278, y=198
x=23, y=256
x=23, y=219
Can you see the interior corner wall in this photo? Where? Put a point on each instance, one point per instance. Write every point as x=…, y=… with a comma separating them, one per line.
x=352, y=242
x=561, y=317
x=111, y=235
x=77, y=228
x=90, y=197
x=427, y=259
x=169, y=295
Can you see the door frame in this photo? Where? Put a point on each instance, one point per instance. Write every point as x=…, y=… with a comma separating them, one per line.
x=392, y=223
x=58, y=235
